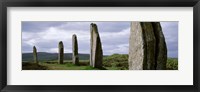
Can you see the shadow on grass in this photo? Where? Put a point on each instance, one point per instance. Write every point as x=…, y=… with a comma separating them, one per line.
x=32, y=66
x=55, y=66
x=102, y=68
x=80, y=63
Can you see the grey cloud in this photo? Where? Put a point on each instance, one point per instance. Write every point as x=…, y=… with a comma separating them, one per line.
x=170, y=30
x=114, y=36
x=112, y=26
x=36, y=26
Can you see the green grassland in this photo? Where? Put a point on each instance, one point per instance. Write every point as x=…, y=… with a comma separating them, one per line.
x=53, y=65
x=172, y=64
x=113, y=62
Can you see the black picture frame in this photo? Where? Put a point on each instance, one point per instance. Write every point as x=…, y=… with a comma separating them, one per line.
x=98, y=3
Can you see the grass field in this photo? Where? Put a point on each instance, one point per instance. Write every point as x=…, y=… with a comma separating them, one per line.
x=172, y=64
x=53, y=65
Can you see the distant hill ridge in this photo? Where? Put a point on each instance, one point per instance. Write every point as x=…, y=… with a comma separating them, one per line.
x=45, y=56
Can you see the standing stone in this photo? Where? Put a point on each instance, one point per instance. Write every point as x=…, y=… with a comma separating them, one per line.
x=75, y=57
x=91, y=44
x=161, y=51
x=96, y=53
x=147, y=47
x=150, y=45
x=137, y=49
x=35, y=55
x=60, y=52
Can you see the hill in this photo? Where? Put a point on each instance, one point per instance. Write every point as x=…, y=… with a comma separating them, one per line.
x=44, y=56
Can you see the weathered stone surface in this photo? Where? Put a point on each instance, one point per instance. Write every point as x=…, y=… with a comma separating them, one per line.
x=75, y=57
x=35, y=55
x=136, y=47
x=150, y=41
x=147, y=47
x=96, y=53
x=60, y=52
x=161, y=47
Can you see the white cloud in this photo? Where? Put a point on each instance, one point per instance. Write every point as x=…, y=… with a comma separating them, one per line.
x=115, y=42
x=122, y=49
x=170, y=30
x=46, y=40
x=114, y=36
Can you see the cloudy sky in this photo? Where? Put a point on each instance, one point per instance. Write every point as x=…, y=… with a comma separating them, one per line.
x=114, y=36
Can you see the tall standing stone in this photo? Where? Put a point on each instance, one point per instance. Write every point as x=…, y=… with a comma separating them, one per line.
x=137, y=47
x=149, y=39
x=60, y=52
x=75, y=57
x=161, y=51
x=96, y=53
x=91, y=44
x=35, y=55
x=147, y=47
